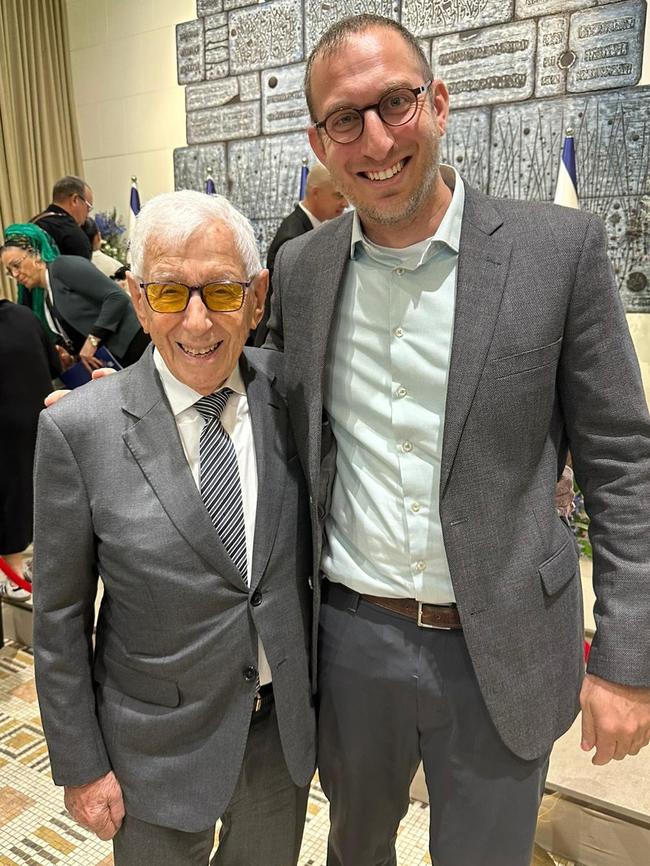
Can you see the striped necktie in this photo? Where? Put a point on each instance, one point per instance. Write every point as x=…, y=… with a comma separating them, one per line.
x=219, y=479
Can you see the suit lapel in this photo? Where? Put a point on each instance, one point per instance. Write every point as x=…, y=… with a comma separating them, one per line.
x=155, y=444
x=269, y=422
x=482, y=268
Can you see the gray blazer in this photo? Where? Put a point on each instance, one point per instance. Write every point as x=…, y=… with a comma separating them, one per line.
x=162, y=699
x=87, y=299
x=541, y=361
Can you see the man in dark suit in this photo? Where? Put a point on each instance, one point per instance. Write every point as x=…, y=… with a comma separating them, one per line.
x=459, y=345
x=322, y=202
x=178, y=482
x=72, y=202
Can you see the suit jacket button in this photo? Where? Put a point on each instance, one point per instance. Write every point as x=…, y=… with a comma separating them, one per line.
x=256, y=598
x=250, y=674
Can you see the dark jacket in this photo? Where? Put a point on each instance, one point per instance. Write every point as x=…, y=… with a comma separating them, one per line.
x=69, y=237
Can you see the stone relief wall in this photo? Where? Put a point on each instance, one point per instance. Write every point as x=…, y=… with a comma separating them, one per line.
x=518, y=71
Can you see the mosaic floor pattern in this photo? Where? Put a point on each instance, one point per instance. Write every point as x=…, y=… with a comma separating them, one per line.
x=35, y=829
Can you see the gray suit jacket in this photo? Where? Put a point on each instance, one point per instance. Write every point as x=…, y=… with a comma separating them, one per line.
x=162, y=699
x=87, y=299
x=541, y=360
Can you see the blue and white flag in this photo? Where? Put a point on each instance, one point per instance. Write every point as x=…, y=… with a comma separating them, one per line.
x=566, y=191
x=134, y=206
x=209, y=184
x=304, y=171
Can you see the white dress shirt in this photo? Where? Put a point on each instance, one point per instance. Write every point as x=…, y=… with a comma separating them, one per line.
x=236, y=421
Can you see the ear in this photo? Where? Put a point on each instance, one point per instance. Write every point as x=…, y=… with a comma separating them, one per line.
x=316, y=143
x=260, y=287
x=440, y=98
x=139, y=303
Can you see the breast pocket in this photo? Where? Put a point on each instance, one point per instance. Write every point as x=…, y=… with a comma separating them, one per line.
x=524, y=362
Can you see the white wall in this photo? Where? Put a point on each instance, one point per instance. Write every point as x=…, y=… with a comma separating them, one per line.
x=130, y=109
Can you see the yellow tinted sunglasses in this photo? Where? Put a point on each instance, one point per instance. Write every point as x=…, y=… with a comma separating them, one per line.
x=225, y=296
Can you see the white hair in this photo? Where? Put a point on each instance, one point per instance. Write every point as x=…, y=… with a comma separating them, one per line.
x=171, y=218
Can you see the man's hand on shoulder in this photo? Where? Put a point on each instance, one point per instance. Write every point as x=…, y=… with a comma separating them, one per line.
x=55, y=396
x=615, y=719
x=97, y=806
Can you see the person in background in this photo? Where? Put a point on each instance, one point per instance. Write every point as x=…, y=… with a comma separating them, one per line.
x=177, y=481
x=459, y=345
x=28, y=363
x=106, y=264
x=63, y=218
x=83, y=308
x=322, y=202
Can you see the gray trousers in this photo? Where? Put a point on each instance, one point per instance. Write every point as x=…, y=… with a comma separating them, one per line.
x=392, y=694
x=262, y=825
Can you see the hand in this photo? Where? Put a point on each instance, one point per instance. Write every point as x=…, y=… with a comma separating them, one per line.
x=87, y=356
x=564, y=493
x=97, y=806
x=55, y=396
x=615, y=719
x=65, y=357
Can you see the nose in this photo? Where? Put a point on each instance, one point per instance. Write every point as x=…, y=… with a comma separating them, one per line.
x=197, y=316
x=377, y=139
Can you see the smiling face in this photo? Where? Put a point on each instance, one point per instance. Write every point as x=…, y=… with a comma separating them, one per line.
x=390, y=173
x=199, y=347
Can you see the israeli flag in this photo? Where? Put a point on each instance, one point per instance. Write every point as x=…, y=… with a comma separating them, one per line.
x=566, y=191
x=134, y=207
x=209, y=184
x=304, y=172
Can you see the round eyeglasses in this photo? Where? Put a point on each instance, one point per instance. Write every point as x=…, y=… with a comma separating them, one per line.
x=395, y=108
x=218, y=297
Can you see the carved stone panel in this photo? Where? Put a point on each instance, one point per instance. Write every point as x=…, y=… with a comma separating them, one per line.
x=552, y=44
x=216, y=46
x=264, y=175
x=430, y=18
x=608, y=45
x=208, y=7
x=466, y=145
x=190, y=51
x=249, y=86
x=320, y=14
x=283, y=100
x=612, y=133
x=530, y=8
x=240, y=120
x=193, y=164
x=266, y=35
x=487, y=66
x=210, y=94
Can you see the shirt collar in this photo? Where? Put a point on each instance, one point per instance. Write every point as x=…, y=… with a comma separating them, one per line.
x=315, y=222
x=181, y=396
x=448, y=232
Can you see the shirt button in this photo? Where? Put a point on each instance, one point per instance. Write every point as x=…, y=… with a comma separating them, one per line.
x=401, y=391
x=399, y=271
x=250, y=674
x=420, y=565
x=407, y=446
x=399, y=332
x=415, y=507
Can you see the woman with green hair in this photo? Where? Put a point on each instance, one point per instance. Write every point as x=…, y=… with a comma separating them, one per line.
x=80, y=307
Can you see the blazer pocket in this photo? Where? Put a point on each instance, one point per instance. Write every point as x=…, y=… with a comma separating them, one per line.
x=136, y=684
x=560, y=568
x=510, y=365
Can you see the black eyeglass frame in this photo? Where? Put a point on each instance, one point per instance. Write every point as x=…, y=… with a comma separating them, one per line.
x=416, y=91
x=200, y=289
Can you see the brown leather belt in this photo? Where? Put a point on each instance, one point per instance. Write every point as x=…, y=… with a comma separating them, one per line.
x=443, y=616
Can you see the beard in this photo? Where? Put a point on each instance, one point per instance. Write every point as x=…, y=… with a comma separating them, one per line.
x=387, y=213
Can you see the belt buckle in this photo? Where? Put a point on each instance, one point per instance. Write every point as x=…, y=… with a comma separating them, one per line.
x=426, y=624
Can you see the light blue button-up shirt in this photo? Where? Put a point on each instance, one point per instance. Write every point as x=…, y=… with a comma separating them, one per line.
x=385, y=393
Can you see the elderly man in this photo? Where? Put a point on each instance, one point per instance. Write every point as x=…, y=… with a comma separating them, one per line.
x=178, y=482
x=72, y=202
x=459, y=344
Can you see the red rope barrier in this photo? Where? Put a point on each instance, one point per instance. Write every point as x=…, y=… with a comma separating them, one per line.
x=13, y=576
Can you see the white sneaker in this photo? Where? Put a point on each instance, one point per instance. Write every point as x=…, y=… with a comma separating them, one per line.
x=11, y=591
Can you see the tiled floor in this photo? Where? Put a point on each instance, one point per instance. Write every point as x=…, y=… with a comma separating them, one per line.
x=35, y=829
